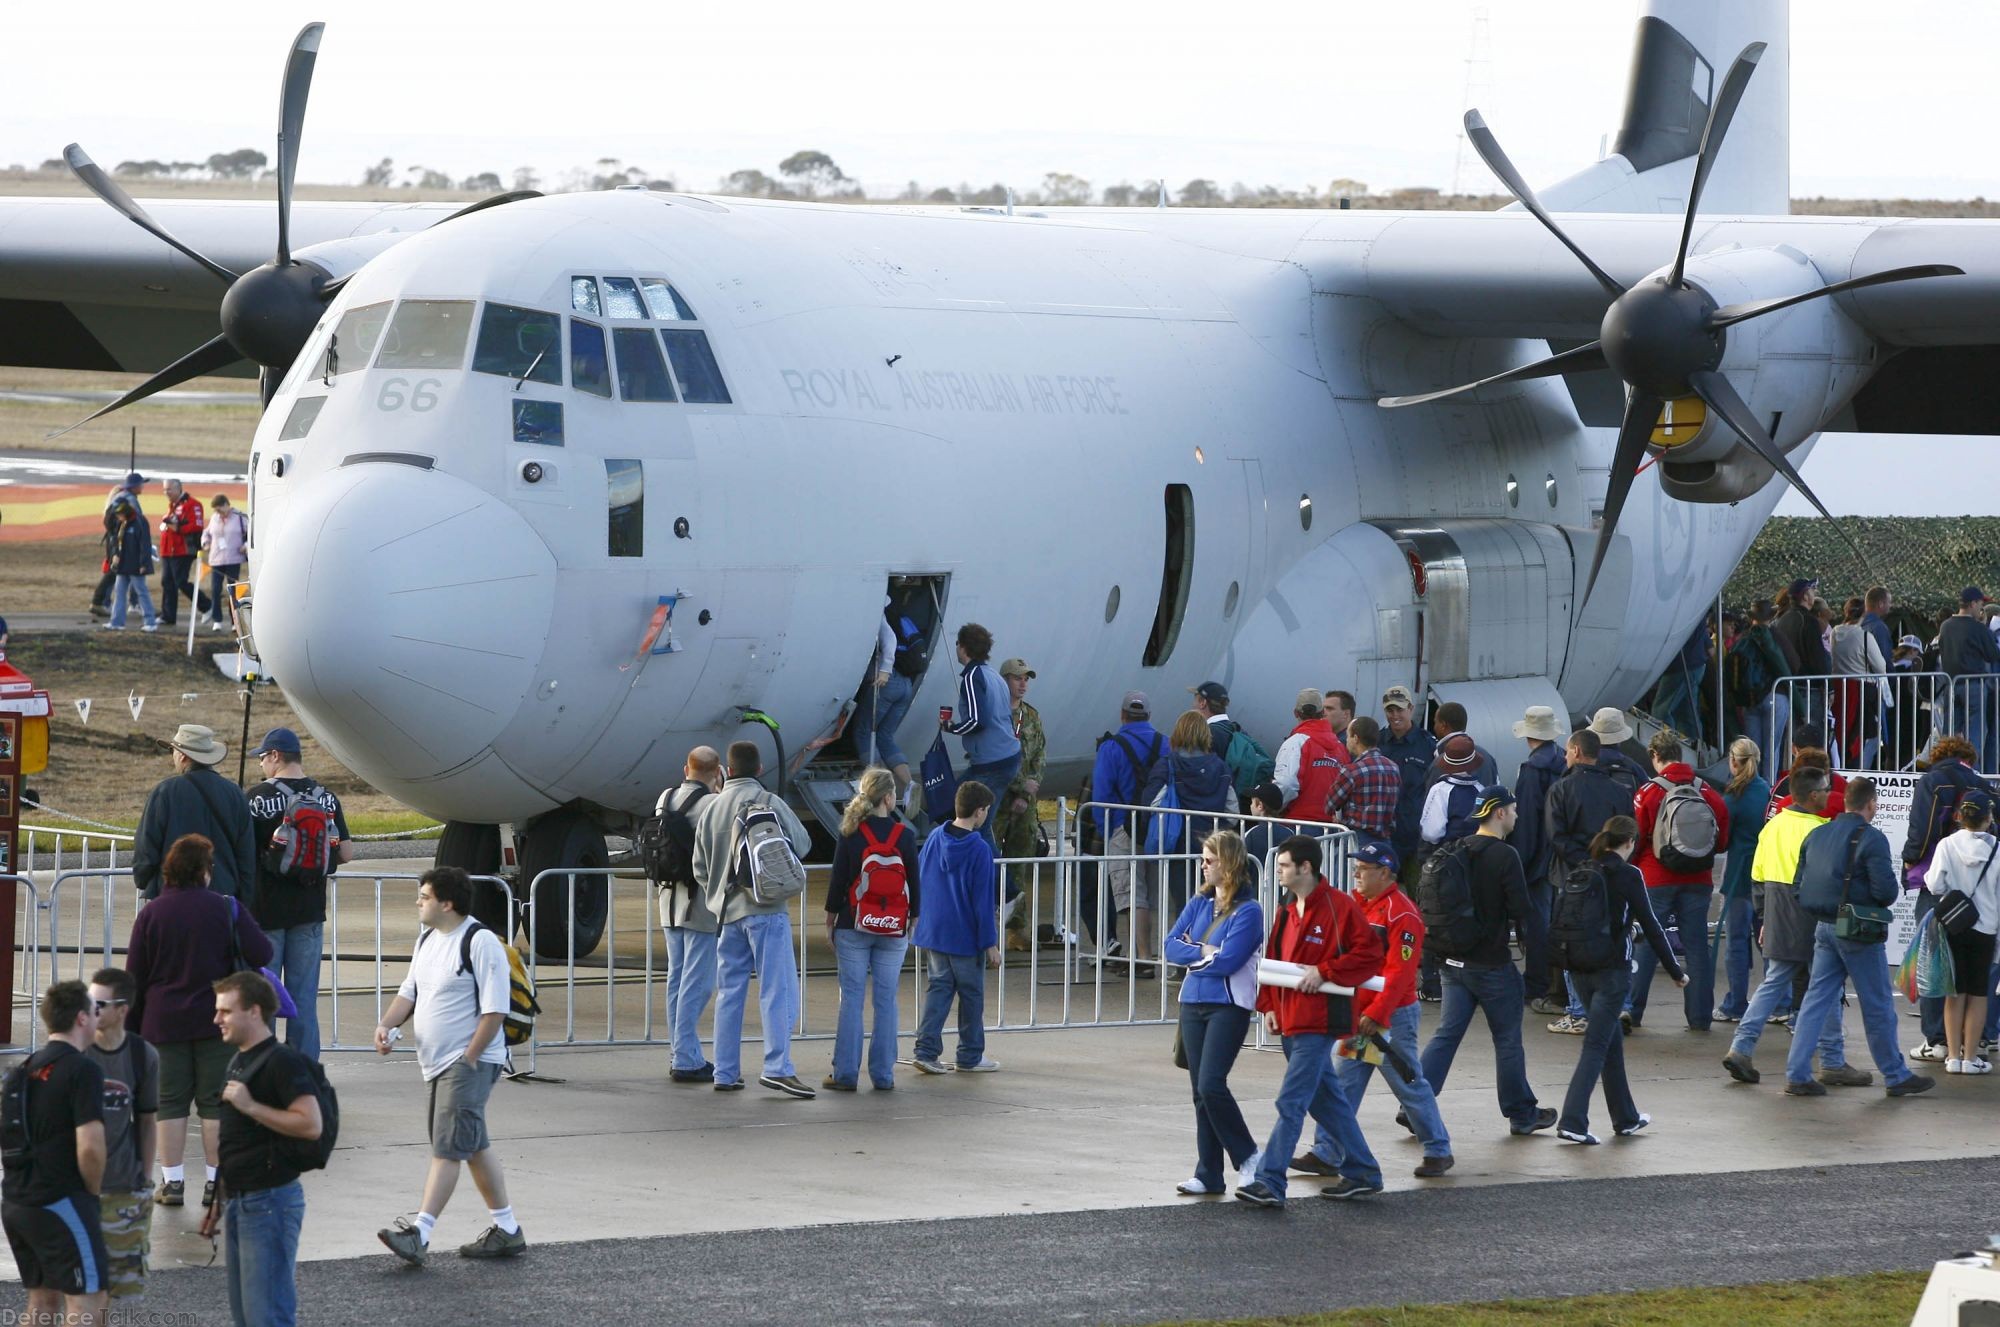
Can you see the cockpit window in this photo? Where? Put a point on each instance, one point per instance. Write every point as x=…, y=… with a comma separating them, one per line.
x=519, y=343
x=300, y=421
x=663, y=302
x=621, y=298
x=642, y=374
x=583, y=294
x=426, y=334
x=695, y=366
x=353, y=342
x=588, y=370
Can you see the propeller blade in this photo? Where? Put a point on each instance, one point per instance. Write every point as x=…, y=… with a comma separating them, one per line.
x=493, y=200
x=1496, y=161
x=1720, y=112
x=208, y=357
x=1580, y=360
x=1737, y=313
x=94, y=179
x=291, y=125
x=1642, y=413
x=1714, y=388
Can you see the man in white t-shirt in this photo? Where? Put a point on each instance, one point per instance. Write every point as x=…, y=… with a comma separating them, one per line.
x=458, y=988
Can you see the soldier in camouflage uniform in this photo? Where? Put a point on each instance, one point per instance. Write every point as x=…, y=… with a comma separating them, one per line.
x=1016, y=818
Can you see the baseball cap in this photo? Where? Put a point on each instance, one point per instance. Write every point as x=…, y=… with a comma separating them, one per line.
x=1309, y=702
x=282, y=740
x=1801, y=585
x=134, y=480
x=1491, y=800
x=1972, y=594
x=1269, y=793
x=1911, y=643
x=1212, y=692
x=1377, y=853
x=1016, y=668
x=1135, y=703
x=1400, y=697
x=1458, y=751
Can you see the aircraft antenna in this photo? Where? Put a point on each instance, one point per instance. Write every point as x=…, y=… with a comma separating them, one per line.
x=1478, y=86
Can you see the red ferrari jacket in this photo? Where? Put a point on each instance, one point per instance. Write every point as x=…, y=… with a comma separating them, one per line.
x=1334, y=936
x=1395, y=919
x=180, y=528
x=1646, y=809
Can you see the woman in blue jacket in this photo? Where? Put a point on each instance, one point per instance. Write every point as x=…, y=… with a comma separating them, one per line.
x=1217, y=938
x=1200, y=780
x=1748, y=797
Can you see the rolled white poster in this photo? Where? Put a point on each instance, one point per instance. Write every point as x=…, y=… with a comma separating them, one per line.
x=1276, y=972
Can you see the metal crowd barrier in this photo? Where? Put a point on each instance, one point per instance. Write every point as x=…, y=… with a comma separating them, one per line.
x=27, y=974
x=1875, y=722
x=46, y=848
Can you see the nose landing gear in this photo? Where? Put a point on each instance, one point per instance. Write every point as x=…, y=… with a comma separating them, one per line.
x=565, y=838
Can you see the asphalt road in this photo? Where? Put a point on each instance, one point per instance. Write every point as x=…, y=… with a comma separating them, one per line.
x=1206, y=1259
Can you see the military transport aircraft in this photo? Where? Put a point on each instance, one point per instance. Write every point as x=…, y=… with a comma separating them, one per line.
x=551, y=489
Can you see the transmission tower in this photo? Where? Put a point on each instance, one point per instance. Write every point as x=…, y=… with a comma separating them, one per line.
x=1478, y=88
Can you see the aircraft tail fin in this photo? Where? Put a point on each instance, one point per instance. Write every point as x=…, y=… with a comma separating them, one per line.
x=1681, y=52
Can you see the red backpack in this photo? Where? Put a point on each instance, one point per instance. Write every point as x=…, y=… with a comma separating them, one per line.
x=882, y=885
x=302, y=844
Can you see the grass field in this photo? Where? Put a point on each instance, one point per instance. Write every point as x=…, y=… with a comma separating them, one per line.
x=218, y=433
x=1875, y=1300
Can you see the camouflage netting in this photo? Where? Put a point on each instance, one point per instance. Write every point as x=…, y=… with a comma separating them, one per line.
x=1926, y=561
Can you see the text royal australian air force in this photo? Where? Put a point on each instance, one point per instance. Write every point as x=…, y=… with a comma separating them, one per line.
x=891, y=390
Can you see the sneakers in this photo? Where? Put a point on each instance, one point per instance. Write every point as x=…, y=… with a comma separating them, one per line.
x=1989, y=1050
x=1626, y=1021
x=1912, y=1085
x=1431, y=1168
x=1627, y=1130
x=1545, y=1118
x=208, y=1194
x=405, y=1241
x=1345, y=1188
x=705, y=1074
x=1846, y=1075
x=1431, y=997
x=1310, y=1164
x=1972, y=1066
x=494, y=1242
x=1719, y=1017
x=1739, y=1067
x=1807, y=1088
x=173, y=1193
x=736, y=1086
x=99, y=610
x=1258, y=1194
x=789, y=1085
x=1930, y=1050
x=1574, y=1027
x=1542, y=1004
x=986, y=1065
x=1249, y=1171
x=112, y=626
x=832, y=1084
x=1195, y=1189
x=152, y=626
x=1574, y=1136
x=1403, y=1118
x=931, y=1067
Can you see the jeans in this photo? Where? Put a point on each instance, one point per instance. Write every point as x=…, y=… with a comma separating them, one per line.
x=1739, y=928
x=963, y=976
x=1575, y=1008
x=1311, y=1087
x=295, y=955
x=1685, y=906
x=869, y=968
x=218, y=600
x=1535, y=944
x=1973, y=698
x=1212, y=1034
x=762, y=940
x=879, y=714
x=260, y=1235
x=690, y=983
x=1767, y=723
x=126, y=585
x=1931, y=1008
x=176, y=579
x=1771, y=994
x=1678, y=698
x=1419, y=1103
x=996, y=775
x=1495, y=991
x=1992, y=1027
x=1602, y=1058
x=1835, y=963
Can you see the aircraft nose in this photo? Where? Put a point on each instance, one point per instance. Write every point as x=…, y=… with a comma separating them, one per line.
x=403, y=612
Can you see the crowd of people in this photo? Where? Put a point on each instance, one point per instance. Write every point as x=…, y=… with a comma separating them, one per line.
x=217, y=536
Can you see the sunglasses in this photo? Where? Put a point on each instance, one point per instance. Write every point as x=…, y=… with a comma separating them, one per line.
x=99, y=1006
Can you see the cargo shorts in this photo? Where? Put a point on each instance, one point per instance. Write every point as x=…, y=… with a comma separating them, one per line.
x=126, y=1219
x=458, y=1110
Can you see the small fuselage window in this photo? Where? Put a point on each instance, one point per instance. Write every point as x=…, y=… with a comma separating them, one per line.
x=642, y=374
x=426, y=334
x=588, y=369
x=538, y=421
x=524, y=344
x=625, y=483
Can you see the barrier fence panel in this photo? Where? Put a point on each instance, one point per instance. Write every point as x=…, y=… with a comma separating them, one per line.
x=1874, y=722
x=27, y=966
x=47, y=850
x=384, y=960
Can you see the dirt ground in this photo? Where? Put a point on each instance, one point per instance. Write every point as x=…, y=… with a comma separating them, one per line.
x=196, y=432
x=53, y=577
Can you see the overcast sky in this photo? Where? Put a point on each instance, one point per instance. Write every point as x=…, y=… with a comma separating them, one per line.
x=1887, y=100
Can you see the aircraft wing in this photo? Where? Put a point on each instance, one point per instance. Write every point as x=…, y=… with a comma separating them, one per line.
x=81, y=287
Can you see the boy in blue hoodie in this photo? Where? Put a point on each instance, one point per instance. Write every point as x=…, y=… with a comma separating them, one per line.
x=958, y=929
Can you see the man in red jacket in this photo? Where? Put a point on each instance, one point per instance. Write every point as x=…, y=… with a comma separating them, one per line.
x=180, y=540
x=1325, y=932
x=1679, y=832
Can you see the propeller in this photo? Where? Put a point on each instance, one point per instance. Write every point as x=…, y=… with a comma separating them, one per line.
x=268, y=312
x=1663, y=336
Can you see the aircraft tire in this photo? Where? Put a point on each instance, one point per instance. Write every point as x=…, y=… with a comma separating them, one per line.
x=565, y=839
x=475, y=849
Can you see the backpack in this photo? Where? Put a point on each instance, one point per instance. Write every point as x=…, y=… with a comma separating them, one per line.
x=1249, y=764
x=1444, y=898
x=1580, y=934
x=881, y=894
x=764, y=865
x=1163, y=831
x=913, y=653
x=17, y=1144
x=1458, y=821
x=1746, y=674
x=522, y=1006
x=666, y=842
x=1684, y=828
x=301, y=848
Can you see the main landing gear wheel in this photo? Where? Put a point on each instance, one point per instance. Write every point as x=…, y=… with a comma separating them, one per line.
x=475, y=849
x=565, y=839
